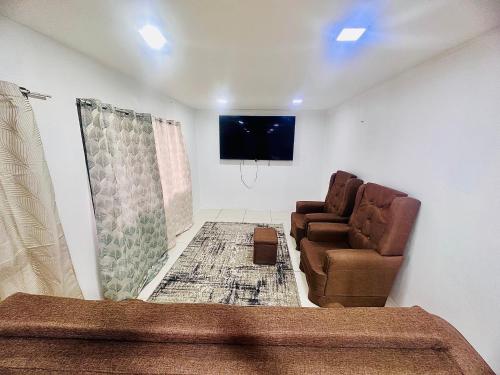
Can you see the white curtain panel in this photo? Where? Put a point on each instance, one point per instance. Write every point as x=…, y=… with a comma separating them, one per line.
x=175, y=177
x=34, y=256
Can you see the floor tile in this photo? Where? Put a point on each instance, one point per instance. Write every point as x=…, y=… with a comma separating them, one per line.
x=231, y=211
x=230, y=219
x=294, y=257
x=206, y=214
x=280, y=217
x=231, y=215
x=303, y=290
x=257, y=216
x=173, y=254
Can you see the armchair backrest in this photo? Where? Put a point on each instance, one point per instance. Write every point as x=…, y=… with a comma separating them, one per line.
x=342, y=193
x=382, y=219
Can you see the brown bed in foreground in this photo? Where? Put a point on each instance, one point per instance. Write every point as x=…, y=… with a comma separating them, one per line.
x=40, y=334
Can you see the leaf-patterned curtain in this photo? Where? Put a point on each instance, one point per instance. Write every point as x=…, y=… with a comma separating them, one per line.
x=127, y=196
x=34, y=256
x=175, y=176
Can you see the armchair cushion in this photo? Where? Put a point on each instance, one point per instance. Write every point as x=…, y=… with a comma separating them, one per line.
x=325, y=218
x=312, y=260
x=329, y=232
x=306, y=207
x=360, y=272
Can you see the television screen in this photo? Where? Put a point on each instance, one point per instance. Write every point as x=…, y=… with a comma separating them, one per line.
x=256, y=137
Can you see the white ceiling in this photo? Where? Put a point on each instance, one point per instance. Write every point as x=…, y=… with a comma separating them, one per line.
x=259, y=53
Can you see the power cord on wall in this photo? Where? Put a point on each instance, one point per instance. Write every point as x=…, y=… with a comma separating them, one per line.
x=242, y=162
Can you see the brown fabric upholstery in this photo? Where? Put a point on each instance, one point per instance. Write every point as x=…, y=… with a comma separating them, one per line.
x=366, y=272
x=340, y=197
x=356, y=264
x=41, y=334
x=298, y=225
x=336, y=306
x=265, y=246
x=383, y=220
x=307, y=207
x=265, y=235
x=329, y=232
x=323, y=217
x=337, y=207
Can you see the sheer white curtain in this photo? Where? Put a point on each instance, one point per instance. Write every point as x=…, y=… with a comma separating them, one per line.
x=175, y=177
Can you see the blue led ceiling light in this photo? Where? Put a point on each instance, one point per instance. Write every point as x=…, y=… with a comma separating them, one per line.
x=350, y=34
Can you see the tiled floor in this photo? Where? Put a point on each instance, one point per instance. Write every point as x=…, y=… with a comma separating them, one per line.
x=247, y=216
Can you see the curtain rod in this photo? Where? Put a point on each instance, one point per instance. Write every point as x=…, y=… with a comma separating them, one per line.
x=34, y=95
x=109, y=106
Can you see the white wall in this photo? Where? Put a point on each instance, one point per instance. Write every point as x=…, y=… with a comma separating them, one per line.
x=34, y=61
x=434, y=132
x=279, y=184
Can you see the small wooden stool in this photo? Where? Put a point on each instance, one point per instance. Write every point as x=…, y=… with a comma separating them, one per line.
x=265, y=246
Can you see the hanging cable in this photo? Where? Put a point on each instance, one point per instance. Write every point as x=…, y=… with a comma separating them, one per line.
x=242, y=162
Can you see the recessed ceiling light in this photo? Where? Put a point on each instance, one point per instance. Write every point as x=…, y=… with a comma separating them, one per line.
x=152, y=36
x=297, y=101
x=222, y=101
x=350, y=34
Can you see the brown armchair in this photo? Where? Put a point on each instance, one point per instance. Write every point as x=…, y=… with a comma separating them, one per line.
x=355, y=264
x=336, y=208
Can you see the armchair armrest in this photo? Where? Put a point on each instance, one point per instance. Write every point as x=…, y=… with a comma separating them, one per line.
x=360, y=272
x=327, y=232
x=306, y=207
x=324, y=217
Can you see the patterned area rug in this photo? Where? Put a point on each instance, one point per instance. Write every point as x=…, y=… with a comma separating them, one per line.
x=217, y=267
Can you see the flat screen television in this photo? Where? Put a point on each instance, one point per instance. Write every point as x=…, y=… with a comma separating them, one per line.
x=256, y=137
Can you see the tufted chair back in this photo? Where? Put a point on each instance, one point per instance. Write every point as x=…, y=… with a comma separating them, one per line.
x=342, y=193
x=382, y=219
